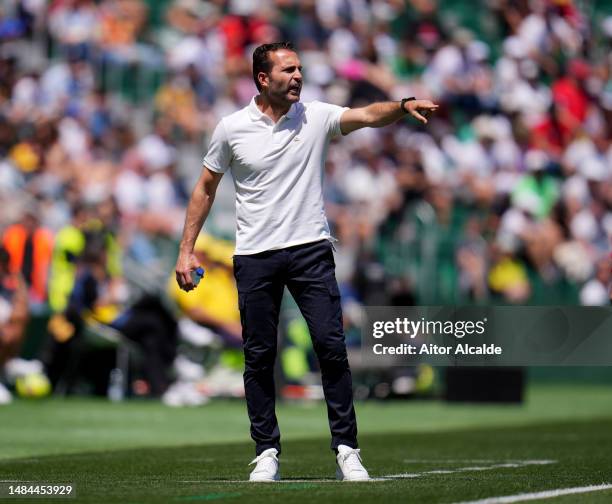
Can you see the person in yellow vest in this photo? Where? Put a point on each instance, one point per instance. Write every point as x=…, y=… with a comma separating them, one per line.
x=69, y=245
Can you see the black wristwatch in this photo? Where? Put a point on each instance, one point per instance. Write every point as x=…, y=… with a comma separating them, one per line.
x=403, y=102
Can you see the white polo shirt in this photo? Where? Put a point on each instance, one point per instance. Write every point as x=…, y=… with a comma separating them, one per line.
x=277, y=171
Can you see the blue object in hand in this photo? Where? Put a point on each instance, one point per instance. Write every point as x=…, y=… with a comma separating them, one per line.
x=197, y=275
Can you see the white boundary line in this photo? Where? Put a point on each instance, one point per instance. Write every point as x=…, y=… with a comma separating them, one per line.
x=505, y=465
x=462, y=461
x=548, y=494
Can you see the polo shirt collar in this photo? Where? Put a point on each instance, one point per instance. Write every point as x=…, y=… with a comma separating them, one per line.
x=292, y=110
x=257, y=115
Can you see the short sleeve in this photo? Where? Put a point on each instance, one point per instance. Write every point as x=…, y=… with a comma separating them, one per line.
x=218, y=156
x=332, y=115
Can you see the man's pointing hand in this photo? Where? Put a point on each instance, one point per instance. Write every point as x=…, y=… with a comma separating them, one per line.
x=420, y=109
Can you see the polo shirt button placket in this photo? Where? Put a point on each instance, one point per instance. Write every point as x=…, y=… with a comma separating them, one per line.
x=276, y=127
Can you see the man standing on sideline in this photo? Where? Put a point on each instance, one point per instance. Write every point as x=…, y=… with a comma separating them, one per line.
x=276, y=148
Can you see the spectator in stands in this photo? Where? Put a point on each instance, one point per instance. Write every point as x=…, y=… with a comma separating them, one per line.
x=74, y=23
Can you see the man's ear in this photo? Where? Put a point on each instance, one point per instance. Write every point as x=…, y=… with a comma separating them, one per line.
x=263, y=77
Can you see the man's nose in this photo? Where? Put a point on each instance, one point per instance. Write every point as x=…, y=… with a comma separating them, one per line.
x=298, y=76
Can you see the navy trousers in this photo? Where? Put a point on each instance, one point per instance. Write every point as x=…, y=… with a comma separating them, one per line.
x=308, y=271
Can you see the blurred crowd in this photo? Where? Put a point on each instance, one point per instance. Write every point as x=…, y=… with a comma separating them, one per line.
x=504, y=197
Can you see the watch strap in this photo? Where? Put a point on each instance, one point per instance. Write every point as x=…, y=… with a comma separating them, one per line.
x=403, y=103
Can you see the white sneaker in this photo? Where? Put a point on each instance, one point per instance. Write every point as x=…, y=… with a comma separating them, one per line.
x=187, y=370
x=267, y=466
x=184, y=393
x=349, y=467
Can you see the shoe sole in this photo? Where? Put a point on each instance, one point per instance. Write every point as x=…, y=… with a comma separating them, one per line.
x=273, y=480
x=340, y=477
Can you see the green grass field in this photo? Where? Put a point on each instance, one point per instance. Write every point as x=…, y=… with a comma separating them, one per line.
x=419, y=451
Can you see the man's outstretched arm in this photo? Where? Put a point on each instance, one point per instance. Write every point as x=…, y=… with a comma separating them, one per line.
x=201, y=201
x=381, y=114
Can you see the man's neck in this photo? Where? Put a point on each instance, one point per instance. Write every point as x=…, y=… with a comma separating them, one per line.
x=272, y=110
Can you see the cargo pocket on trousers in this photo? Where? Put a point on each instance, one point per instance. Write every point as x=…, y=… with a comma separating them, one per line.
x=333, y=312
x=332, y=288
x=242, y=300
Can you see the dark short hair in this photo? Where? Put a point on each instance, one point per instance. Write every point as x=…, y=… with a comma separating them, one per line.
x=261, y=62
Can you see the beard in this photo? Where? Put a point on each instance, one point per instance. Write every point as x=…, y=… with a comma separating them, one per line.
x=286, y=94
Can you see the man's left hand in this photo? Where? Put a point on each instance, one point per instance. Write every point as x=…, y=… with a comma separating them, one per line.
x=420, y=109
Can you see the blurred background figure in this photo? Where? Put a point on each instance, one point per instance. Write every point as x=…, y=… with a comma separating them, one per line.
x=30, y=246
x=210, y=330
x=13, y=316
x=99, y=306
